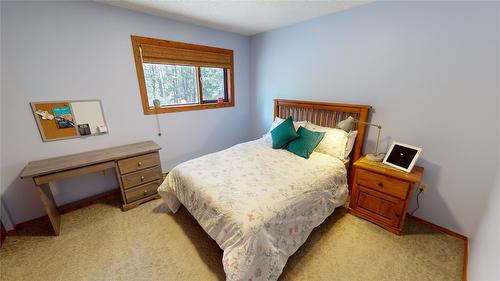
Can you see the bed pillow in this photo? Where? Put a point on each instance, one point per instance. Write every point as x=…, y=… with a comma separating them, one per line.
x=284, y=133
x=278, y=121
x=268, y=138
x=351, y=138
x=336, y=142
x=306, y=143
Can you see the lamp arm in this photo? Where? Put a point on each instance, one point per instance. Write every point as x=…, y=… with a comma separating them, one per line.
x=371, y=124
x=378, y=134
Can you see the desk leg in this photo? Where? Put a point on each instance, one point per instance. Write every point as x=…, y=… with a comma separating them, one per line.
x=50, y=206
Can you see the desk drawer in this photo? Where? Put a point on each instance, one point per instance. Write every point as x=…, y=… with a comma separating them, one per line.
x=138, y=163
x=140, y=177
x=142, y=191
x=382, y=183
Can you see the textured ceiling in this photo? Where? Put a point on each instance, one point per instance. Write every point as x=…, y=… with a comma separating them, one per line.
x=244, y=17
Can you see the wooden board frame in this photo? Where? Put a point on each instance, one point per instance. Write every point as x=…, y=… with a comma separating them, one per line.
x=39, y=121
x=327, y=115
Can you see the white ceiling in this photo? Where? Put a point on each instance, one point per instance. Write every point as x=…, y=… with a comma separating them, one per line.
x=244, y=17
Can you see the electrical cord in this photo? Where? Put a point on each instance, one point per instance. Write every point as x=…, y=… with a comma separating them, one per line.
x=418, y=203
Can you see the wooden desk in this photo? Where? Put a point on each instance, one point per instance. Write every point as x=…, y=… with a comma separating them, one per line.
x=137, y=166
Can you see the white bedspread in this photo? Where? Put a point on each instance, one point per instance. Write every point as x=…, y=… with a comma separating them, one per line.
x=258, y=203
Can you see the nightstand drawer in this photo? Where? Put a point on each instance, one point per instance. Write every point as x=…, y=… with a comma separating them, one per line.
x=138, y=163
x=140, y=177
x=384, y=208
x=382, y=183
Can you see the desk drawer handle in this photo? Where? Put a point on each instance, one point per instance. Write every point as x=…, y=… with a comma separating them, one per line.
x=380, y=184
x=139, y=163
x=142, y=178
x=145, y=192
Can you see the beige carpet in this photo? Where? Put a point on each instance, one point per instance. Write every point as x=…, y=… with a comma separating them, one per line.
x=100, y=242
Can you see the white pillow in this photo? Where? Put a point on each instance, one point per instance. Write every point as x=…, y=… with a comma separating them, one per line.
x=336, y=142
x=296, y=124
x=351, y=138
x=278, y=121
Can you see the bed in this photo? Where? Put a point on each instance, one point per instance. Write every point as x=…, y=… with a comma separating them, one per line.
x=260, y=204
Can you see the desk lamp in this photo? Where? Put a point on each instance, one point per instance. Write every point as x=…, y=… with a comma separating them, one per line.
x=346, y=125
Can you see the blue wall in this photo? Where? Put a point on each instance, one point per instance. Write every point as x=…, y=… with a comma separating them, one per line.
x=82, y=50
x=429, y=69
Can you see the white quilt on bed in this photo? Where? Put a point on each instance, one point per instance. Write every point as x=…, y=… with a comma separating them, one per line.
x=258, y=203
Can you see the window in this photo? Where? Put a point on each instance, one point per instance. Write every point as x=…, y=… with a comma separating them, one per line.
x=182, y=76
x=213, y=83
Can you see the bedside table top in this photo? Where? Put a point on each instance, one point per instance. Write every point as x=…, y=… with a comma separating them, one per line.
x=379, y=167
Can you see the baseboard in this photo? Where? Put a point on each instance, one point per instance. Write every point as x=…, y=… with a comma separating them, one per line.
x=439, y=228
x=24, y=224
x=66, y=208
x=3, y=234
x=451, y=233
x=115, y=193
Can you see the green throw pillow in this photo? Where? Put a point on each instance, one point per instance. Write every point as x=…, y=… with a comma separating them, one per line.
x=284, y=133
x=306, y=143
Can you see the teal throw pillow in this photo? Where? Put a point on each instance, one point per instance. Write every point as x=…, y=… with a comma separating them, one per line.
x=306, y=143
x=284, y=133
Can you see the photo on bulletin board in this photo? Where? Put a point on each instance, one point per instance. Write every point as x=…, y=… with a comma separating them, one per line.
x=63, y=117
x=59, y=120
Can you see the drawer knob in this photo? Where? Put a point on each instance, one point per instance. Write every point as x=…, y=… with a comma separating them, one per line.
x=142, y=178
x=380, y=184
x=139, y=163
x=145, y=192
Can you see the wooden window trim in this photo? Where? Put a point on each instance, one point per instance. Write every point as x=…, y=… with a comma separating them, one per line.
x=137, y=41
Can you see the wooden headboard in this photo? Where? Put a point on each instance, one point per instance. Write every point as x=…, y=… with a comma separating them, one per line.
x=327, y=115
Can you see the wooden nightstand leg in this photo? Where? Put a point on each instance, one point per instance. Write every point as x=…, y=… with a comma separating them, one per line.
x=50, y=206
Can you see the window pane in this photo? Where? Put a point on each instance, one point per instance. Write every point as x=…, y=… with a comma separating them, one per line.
x=171, y=84
x=212, y=83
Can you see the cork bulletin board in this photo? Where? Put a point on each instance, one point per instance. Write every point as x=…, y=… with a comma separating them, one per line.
x=65, y=116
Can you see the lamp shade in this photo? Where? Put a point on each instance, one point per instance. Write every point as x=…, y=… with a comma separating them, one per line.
x=346, y=124
x=156, y=103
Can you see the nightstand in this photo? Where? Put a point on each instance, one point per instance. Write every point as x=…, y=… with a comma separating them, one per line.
x=381, y=194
